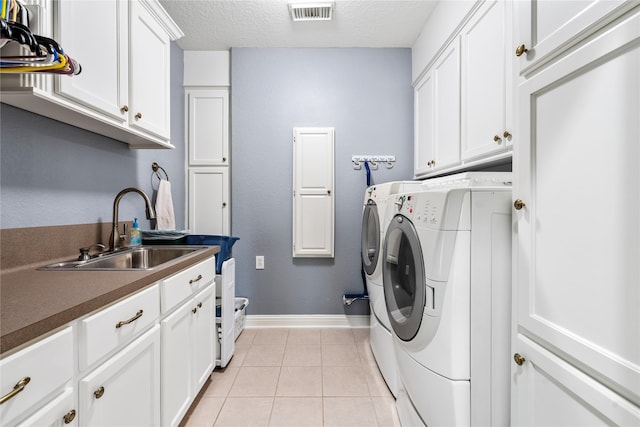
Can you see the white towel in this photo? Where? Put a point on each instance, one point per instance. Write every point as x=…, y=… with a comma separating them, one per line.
x=165, y=219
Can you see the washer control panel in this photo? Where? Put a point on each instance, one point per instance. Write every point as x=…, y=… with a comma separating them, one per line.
x=425, y=208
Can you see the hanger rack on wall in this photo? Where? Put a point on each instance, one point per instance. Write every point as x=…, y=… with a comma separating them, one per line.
x=26, y=52
x=373, y=161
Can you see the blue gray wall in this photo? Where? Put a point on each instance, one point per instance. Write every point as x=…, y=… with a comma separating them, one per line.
x=366, y=95
x=55, y=174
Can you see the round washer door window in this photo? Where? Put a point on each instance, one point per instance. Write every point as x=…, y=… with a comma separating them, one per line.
x=370, y=241
x=404, y=278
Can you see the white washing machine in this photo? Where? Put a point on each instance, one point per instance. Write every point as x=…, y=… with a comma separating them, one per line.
x=447, y=285
x=373, y=230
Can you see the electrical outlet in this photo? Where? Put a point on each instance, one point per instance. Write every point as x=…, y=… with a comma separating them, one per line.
x=259, y=262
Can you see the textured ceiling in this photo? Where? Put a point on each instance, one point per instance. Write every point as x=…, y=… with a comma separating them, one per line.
x=223, y=24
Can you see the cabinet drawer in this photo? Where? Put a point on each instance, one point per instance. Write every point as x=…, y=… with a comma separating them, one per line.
x=117, y=325
x=48, y=364
x=186, y=283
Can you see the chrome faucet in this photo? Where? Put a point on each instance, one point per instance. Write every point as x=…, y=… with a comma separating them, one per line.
x=115, y=239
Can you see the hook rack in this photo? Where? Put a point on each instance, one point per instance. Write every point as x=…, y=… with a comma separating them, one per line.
x=373, y=161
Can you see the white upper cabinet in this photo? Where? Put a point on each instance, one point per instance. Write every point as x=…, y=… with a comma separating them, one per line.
x=208, y=127
x=463, y=98
x=102, y=84
x=486, y=82
x=123, y=91
x=437, y=114
x=149, y=72
x=545, y=29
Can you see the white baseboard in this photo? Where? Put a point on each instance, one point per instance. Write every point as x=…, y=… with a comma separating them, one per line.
x=306, y=321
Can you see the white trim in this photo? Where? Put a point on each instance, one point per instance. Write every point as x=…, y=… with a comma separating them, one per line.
x=306, y=321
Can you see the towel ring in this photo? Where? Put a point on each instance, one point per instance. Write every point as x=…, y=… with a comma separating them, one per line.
x=155, y=167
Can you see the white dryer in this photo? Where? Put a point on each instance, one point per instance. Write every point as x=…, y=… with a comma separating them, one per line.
x=446, y=268
x=372, y=237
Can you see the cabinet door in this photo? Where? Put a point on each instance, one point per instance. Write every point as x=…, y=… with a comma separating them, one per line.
x=424, y=100
x=209, y=200
x=177, y=367
x=446, y=75
x=204, y=334
x=208, y=127
x=546, y=28
x=578, y=236
x=149, y=85
x=551, y=392
x=60, y=412
x=40, y=377
x=437, y=114
x=102, y=84
x=125, y=390
x=313, y=198
x=486, y=82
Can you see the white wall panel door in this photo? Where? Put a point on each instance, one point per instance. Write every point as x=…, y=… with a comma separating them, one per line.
x=208, y=201
x=313, y=198
x=578, y=234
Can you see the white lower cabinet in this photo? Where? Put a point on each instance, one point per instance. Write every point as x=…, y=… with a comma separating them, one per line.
x=29, y=381
x=188, y=354
x=125, y=390
x=123, y=365
x=554, y=393
x=57, y=413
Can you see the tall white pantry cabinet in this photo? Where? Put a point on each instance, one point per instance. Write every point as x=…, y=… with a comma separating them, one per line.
x=206, y=81
x=570, y=117
x=576, y=325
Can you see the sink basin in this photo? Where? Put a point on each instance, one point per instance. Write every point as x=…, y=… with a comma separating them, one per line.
x=141, y=258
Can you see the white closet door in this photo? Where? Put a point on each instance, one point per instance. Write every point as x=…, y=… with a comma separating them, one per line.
x=313, y=198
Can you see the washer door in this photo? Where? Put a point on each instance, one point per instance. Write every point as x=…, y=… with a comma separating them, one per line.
x=370, y=240
x=403, y=278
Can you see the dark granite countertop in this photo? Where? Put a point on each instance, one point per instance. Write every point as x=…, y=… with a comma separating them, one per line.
x=34, y=302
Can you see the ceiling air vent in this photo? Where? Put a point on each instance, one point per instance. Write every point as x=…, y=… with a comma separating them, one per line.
x=311, y=11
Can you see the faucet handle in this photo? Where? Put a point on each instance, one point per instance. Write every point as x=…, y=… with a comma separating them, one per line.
x=84, y=252
x=123, y=236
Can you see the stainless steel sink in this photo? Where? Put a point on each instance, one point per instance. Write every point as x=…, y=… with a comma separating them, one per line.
x=141, y=258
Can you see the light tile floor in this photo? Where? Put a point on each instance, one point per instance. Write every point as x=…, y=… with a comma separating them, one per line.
x=297, y=377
